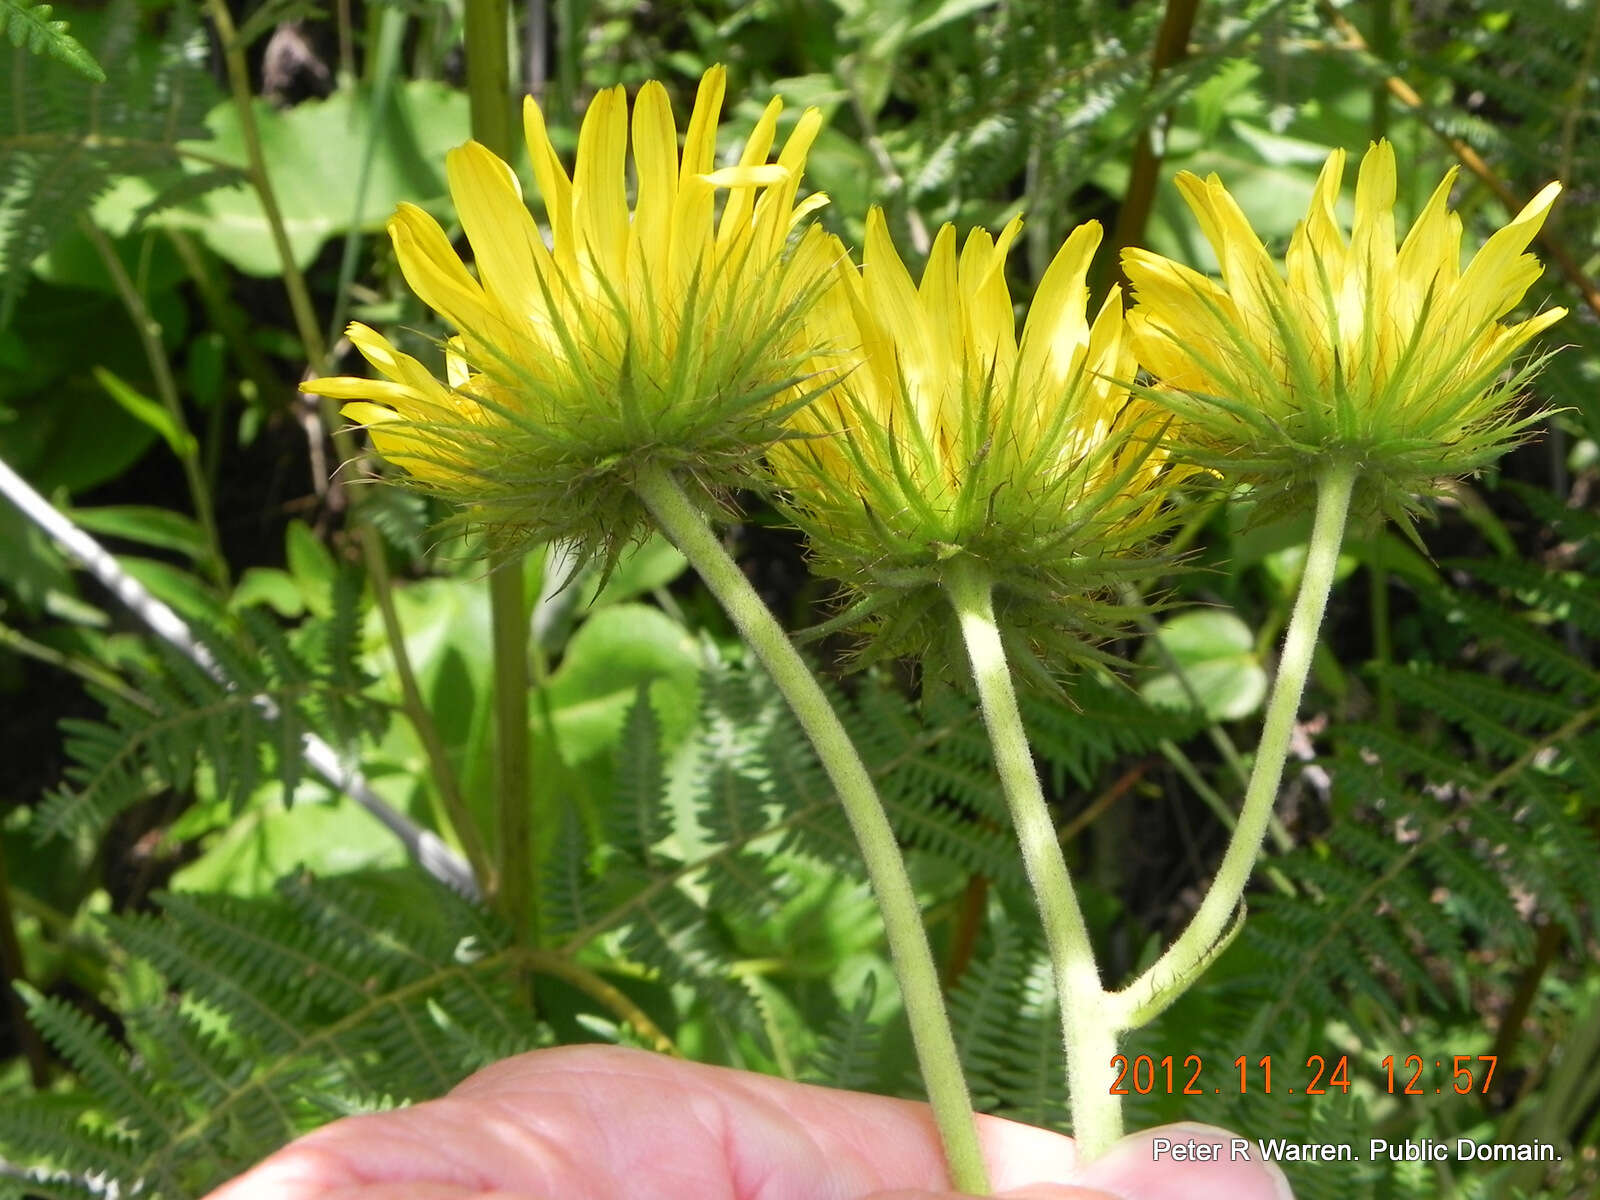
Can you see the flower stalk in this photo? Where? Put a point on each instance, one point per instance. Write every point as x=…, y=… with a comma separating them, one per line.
x=913, y=960
x=1200, y=942
x=1089, y=1037
x=515, y=890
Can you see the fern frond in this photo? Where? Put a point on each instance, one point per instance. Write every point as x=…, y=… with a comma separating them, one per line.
x=330, y=997
x=29, y=25
x=847, y=1051
x=176, y=715
x=1564, y=596
x=62, y=145
x=122, y=1084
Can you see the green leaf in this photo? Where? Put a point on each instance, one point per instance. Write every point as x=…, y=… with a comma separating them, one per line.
x=315, y=149
x=30, y=25
x=147, y=411
x=175, y=587
x=607, y=660
x=1216, y=652
x=642, y=569
x=268, y=841
x=158, y=527
x=68, y=433
x=270, y=586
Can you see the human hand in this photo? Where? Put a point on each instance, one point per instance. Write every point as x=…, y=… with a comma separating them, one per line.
x=596, y=1122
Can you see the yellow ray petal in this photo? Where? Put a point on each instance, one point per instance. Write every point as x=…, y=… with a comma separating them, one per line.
x=655, y=158
x=689, y=252
x=434, y=272
x=1500, y=274
x=1251, y=279
x=773, y=220
x=942, y=305
x=892, y=298
x=511, y=257
x=555, y=189
x=992, y=326
x=741, y=202
x=599, y=184
x=1057, y=328
x=1429, y=260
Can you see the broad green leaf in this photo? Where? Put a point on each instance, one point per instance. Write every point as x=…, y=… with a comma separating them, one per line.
x=269, y=586
x=267, y=841
x=1216, y=652
x=314, y=153
x=612, y=653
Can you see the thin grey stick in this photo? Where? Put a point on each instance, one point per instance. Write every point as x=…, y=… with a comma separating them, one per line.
x=430, y=851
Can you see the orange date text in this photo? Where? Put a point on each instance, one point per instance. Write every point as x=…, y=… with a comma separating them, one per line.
x=1407, y=1075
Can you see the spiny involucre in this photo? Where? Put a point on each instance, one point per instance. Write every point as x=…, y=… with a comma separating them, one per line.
x=1389, y=357
x=668, y=335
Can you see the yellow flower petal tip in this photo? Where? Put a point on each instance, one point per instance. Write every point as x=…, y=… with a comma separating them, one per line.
x=953, y=437
x=602, y=335
x=1389, y=355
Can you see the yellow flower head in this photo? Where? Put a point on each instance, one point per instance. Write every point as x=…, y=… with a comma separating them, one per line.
x=1389, y=357
x=667, y=334
x=950, y=437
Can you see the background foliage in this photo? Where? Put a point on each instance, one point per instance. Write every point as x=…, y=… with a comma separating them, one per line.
x=214, y=951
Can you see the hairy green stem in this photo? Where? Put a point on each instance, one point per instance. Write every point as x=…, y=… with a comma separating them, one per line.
x=913, y=961
x=1195, y=947
x=149, y=331
x=1089, y=1036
